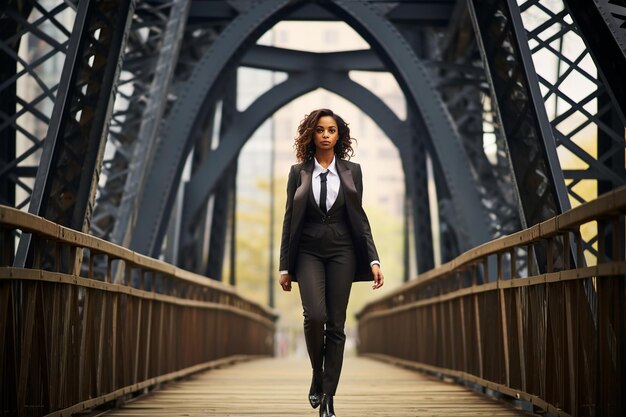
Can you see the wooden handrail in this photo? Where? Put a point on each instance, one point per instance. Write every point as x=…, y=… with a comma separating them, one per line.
x=554, y=339
x=29, y=223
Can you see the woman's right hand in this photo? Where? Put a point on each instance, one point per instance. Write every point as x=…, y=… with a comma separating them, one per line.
x=285, y=282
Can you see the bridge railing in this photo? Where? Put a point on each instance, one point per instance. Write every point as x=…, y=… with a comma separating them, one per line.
x=556, y=339
x=72, y=340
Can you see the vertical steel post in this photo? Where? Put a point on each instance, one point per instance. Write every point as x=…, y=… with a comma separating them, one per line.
x=271, y=269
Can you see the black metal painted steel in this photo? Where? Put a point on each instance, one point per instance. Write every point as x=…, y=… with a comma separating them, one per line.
x=201, y=184
x=603, y=25
x=280, y=59
x=152, y=52
x=192, y=246
x=465, y=91
x=147, y=235
x=416, y=12
x=177, y=131
x=419, y=88
x=224, y=192
x=203, y=181
x=579, y=113
x=557, y=37
x=64, y=189
x=222, y=208
x=527, y=129
x=25, y=113
x=416, y=180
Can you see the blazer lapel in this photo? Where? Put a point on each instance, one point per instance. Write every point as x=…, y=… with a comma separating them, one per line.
x=301, y=195
x=356, y=218
x=347, y=181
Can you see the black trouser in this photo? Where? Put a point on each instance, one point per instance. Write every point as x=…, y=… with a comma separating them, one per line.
x=325, y=269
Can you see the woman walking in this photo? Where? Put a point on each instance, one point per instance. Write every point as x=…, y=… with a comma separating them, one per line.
x=326, y=244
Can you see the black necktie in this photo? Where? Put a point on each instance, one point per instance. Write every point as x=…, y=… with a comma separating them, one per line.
x=323, y=191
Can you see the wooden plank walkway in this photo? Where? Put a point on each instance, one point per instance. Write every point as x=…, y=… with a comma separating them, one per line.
x=278, y=387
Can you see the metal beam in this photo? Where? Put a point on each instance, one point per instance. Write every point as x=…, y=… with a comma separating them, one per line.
x=156, y=102
x=25, y=113
x=419, y=87
x=573, y=112
x=64, y=189
x=437, y=12
x=434, y=12
x=202, y=183
x=224, y=194
x=289, y=60
x=152, y=53
x=532, y=147
x=177, y=130
x=416, y=184
x=603, y=26
x=413, y=76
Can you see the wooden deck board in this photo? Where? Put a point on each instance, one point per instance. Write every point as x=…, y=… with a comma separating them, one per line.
x=278, y=387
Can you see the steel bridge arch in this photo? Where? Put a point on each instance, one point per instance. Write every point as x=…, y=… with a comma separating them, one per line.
x=157, y=200
x=203, y=181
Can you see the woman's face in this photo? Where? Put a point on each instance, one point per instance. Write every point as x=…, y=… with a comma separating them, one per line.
x=326, y=133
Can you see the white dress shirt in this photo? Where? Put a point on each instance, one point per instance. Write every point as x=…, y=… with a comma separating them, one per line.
x=332, y=183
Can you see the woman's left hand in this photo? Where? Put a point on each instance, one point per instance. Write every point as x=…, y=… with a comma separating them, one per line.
x=379, y=280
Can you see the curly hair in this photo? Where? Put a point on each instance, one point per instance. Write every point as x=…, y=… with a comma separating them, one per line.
x=304, y=144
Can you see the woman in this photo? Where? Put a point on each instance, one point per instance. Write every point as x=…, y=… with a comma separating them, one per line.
x=326, y=244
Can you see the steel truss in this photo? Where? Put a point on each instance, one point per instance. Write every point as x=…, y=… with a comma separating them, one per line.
x=142, y=99
x=603, y=25
x=28, y=88
x=72, y=152
x=480, y=81
x=178, y=135
x=579, y=101
x=202, y=182
x=442, y=135
x=465, y=91
x=197, y=251
x=577, y=115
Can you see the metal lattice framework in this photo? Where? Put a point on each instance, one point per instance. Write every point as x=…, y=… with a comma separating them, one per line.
x=163, y=48
x=71, y=159
x=471, y=73
x=465, y=90
x=146, y=235
x=579, y=115
x=529, y=138
x=29, y=82
x=151, y=53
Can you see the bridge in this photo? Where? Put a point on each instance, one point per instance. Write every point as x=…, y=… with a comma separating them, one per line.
x=129, y=241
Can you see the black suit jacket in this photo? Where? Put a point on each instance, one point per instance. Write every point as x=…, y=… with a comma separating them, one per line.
x=298, y=188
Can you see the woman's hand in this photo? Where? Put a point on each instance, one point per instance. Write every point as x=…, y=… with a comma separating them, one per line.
x=379, y=280
x=285, y=282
